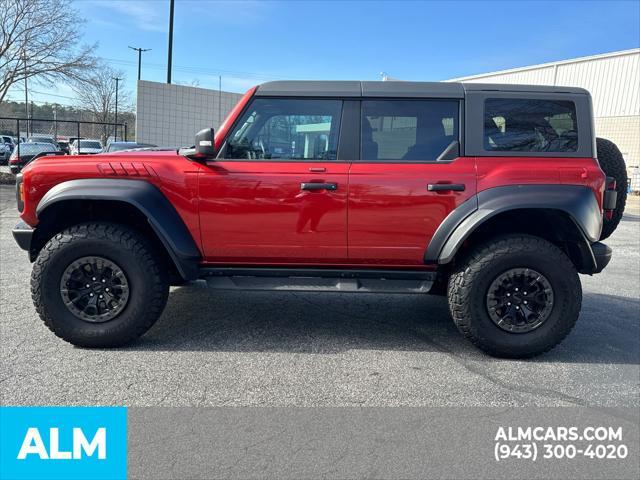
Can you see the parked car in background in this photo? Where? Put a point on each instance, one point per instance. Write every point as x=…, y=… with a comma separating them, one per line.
x=27, y=152
x=64, y=146
x=5, y=153
x=7, y=140
x=85, y=147
x=73, y=139
x=120, y=146
x=41, y=138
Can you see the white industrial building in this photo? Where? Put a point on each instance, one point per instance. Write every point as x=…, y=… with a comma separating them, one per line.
x=613, y=79
x=170, y=115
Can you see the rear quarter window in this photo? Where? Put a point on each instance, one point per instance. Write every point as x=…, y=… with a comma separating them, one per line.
x=530, y=125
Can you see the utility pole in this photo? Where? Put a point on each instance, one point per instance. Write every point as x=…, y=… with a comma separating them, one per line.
x=170, y=55
x=139, y=50
x=26, y=94
x=31, y=116
x=115, y=126
x=219, y=100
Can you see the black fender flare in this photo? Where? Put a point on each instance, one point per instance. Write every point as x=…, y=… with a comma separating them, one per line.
x=146, y=198
x=577, y=201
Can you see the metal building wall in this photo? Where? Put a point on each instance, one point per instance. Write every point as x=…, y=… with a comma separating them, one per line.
x=170, y=115
x=613, y=79
x=613, y=82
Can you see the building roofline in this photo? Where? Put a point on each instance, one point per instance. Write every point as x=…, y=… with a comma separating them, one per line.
x=619, y=53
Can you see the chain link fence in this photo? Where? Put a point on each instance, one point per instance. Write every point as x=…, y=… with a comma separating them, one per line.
x=65, y=134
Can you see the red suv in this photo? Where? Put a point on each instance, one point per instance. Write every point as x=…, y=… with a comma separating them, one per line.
x=490, y=194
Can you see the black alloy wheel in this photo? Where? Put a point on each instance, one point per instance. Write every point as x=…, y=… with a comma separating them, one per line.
x=94, y=289
x=520, y=300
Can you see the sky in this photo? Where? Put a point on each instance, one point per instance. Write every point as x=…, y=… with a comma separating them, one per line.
x=250, y=42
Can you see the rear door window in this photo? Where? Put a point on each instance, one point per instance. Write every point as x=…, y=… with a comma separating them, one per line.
x=530, y=125
x=287, y=129
x=410, y=130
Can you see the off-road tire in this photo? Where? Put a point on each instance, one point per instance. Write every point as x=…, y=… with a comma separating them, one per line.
x=147, y=278
x=612, y=164
x=470, y=282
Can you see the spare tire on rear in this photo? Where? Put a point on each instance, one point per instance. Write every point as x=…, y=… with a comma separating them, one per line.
x=612, y=164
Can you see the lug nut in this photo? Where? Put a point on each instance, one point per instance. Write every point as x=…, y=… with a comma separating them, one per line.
x=103, y=280
x=91, y=294
x=88, y=285
x=525, y=302
x=94, y=279
x=106, y=289
x=508, y=294
x=517, y=308
x=508, y=303
x=516, y=287
x=524, y=293
x=100, y=296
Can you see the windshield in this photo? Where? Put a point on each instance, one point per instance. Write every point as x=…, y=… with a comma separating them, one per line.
x=40, y=139
x=34, y=148
x=90, y=144
x=116, y=147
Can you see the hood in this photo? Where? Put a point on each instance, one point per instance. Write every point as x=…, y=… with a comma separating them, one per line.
x=146, y=152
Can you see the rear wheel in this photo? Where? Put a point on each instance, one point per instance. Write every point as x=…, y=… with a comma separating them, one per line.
x=612, y=164
x=517, y=296
x=99, y=285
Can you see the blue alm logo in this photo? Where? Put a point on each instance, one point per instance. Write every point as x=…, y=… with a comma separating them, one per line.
x=63, y=443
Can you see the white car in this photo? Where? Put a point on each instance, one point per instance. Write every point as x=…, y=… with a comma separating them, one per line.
x=5, y=152
x=85, y=147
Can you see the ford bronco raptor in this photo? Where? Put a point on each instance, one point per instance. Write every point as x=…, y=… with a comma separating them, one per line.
x=493, y=195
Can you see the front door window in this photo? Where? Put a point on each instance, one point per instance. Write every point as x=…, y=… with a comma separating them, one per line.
x=283, y=129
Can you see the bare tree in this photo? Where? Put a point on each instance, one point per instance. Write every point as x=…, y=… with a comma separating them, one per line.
x=39, y=39
x=96, y=92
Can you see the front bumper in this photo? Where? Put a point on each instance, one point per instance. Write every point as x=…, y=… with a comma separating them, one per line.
x=23, y=234
x=601, y=254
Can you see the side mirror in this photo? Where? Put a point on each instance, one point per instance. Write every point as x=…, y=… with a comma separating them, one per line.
x=205, y=145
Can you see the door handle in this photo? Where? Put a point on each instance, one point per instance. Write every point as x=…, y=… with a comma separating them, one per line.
x=318, y=186
x=446, y=187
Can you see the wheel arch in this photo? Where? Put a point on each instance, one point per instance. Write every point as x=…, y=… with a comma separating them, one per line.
x=136, y=203
x=567, y=215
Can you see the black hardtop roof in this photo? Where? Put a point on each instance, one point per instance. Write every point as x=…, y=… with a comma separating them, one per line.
x=340, y=88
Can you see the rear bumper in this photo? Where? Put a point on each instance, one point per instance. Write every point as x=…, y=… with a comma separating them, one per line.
x=601, y=254
x=23, y=234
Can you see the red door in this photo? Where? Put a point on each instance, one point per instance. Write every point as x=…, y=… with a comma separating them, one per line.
x=409, y=179
x=274, y=213
x=277, y=194
x=392, y=213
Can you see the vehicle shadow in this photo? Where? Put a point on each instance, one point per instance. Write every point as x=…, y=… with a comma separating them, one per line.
x=201, y=319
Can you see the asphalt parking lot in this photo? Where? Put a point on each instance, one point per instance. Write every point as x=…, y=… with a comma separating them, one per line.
x=293, y=349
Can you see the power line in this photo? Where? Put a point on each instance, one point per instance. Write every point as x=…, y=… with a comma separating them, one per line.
x=53, y=95
x=187, y=69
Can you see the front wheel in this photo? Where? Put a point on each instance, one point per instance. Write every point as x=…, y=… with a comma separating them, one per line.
x=516, y=296
x=99, y=285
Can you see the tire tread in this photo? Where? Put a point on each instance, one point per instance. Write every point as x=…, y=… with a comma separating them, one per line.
x=461, y=284
x=123, y=237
